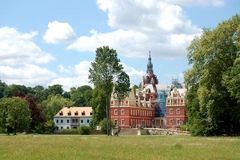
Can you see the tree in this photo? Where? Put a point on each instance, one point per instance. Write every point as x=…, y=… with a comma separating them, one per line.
x=103, y=71
x=98, y=104
x=213, y=81
x=15, y=114
x=14, y=89
x=39, y=94
x=121, y=89
x=55, y=90
x=53, y=104
x=232, y=80
x=36, y=115
x=3, y=86
x=81, y=96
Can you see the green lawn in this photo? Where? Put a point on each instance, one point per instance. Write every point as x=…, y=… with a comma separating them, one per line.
x=47, y=147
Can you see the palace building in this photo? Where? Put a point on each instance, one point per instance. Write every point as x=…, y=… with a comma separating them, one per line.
x=149, y=105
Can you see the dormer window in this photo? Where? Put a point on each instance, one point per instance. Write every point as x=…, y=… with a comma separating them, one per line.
x=61, y=113
x=83, y=113
x=69, y=113
x=76, y=113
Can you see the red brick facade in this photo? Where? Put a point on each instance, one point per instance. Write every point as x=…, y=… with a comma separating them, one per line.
x=132, y=117
x=175, y=108
x=135, y=111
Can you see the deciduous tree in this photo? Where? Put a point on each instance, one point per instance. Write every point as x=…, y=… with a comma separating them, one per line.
x=14, y=114
x=213, y=80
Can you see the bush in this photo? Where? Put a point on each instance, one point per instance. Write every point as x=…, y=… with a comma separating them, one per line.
x=68, y=131
x=103, y=125
x=84, y=130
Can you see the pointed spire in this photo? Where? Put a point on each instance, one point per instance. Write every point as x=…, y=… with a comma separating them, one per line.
x=149, y=65
x=149, y=57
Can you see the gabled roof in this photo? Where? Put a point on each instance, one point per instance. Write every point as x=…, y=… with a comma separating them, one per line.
x=74, y=112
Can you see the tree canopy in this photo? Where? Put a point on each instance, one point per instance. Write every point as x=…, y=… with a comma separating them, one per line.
x=213, y=81
x=104, y=72
x=14, y=114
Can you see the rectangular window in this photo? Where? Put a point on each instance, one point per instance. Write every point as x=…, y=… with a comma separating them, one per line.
x=123, y=122
x=76, y=120
x=115, y=112
x=88, y=121
x=90, y=113
x=57, y=121
x=175, y=101
x=170, y=110
x=122, y=112
x=61, y=121
x=115, y=122
x=178, y=121
x=177, y=111
x=81, y=121
x=67, y=120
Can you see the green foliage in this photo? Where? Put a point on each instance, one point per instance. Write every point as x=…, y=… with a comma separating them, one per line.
x=68, y=131
x=213, y=81
x=232, y=80
x=3, y=86
x=122, y=85
x=103, y=125
x=14, y=89
x=103, y=71
x=53, y=104
x=98, y=104
x=84, y=130
x=15, y=114
x=55, y=90
x=81, y=96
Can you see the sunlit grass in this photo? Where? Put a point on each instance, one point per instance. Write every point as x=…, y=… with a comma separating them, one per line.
x=57, y=147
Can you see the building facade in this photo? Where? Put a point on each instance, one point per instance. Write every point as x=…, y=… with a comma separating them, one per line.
x=138, y=109
x=175, y=109
x=152, y=105
x=73, y=117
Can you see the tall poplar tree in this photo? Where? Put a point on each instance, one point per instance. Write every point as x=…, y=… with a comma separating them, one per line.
x=104, y=72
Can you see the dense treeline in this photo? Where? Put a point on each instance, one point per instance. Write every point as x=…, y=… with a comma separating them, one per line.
x=42, y=104
x=213, y=82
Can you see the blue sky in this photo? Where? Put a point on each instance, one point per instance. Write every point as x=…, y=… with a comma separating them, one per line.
x=50, y=41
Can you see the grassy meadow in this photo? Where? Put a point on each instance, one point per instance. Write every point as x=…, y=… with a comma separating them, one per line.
x=64, y=147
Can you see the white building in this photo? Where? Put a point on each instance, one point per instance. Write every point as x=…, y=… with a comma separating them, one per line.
x=73, y=117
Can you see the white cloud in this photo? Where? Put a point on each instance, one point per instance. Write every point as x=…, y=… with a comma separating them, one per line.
x=58, y=32
x=132, y=72
x=27, y=74
x=78, y=75
x=216, y=3
x=140, y=26
x=19, y=48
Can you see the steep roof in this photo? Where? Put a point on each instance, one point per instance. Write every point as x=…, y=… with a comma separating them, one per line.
x=74, y=112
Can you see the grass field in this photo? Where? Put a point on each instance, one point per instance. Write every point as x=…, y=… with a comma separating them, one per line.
x=57, y=147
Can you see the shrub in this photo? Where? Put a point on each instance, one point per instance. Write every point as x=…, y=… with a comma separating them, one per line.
x=103, y=125
x=68, y=131
x=84, y=130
